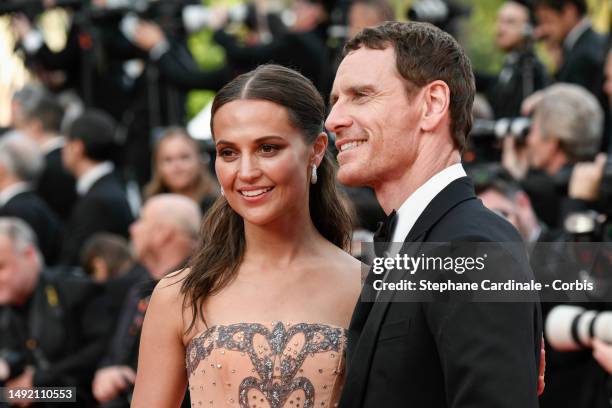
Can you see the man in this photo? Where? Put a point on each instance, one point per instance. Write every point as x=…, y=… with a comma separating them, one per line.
x=582, y=51
x=102, y=204
x=567, y=128
x=564, y=24
x=41, y=118
x=52, y=327
x=503, y=195
x=20, y=165
x=401, y=110
x=522, y=73
x=368, y=13
x=163, y=238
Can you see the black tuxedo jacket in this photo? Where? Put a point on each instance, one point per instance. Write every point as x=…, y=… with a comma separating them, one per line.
x=56, y=186
x=29, y=207
x=447, y=354
x=103, y=209
x=65, y=317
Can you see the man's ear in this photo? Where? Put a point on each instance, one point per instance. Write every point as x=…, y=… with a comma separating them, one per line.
x=437, y=101
x=318, y=149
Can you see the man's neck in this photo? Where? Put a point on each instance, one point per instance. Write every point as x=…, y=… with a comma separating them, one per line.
x=83, y=167
x=555, y=164
x=163, y=262
x=6, y=182
x=392, y=193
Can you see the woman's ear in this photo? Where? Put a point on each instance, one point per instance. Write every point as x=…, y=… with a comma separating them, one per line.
x=318, y=148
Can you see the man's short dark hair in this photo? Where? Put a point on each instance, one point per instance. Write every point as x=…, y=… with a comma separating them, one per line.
x=96, y=129
x=423, y=54
x=558, y=5
x=47, y=110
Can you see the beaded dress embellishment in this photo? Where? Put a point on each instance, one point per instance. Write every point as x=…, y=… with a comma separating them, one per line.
x=276, y=356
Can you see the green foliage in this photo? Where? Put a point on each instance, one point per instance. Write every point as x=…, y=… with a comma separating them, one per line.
x=478, y=35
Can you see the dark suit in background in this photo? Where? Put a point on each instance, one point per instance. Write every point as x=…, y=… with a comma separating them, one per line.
x=56, y=186
x=68, y=324
x=104, y=208
x=29, y=207
x=583, y=64
x=447, y=353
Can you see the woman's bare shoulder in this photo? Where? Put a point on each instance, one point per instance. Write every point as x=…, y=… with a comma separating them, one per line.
x=344, y=270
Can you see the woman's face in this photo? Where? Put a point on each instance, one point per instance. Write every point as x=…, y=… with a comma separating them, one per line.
x=262, y=161
x=178, y=164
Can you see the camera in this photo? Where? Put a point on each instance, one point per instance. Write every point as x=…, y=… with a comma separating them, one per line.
x=438, y=12
x=517, y=127
x=571, y=328
x=16, y=364
x=32, y=8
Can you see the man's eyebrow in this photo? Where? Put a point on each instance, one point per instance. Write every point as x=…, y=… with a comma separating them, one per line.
x=353, y=90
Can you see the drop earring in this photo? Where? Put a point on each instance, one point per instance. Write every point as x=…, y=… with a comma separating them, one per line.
x=222, y=192
x=313, y=175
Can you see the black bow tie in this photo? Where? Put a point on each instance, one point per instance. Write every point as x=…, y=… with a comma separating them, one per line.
x=384, y=233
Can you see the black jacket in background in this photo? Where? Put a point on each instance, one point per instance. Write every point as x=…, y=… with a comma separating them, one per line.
x=65, y=317
x=447, y=353
x=521, y=75
x=583, y=65
x=56, y=186
x=29, y=207
x=103, y=209
x=302, y=51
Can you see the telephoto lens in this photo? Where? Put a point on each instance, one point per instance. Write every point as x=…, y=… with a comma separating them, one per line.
x=571, y=328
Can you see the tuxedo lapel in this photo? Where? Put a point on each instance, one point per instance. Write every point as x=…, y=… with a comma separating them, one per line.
x=369, y=316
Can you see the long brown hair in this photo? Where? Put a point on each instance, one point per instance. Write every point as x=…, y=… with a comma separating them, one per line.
x=205, y=183
x=222, y=242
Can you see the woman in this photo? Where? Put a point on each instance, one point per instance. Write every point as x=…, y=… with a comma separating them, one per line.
x=178, y=168
x=270, y=290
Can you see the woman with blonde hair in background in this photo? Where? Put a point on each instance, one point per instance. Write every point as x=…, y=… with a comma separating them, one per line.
x=178, y=167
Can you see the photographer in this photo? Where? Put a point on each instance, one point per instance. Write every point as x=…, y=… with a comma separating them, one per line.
x=567, y=128
x=300, y=46
x=52, y=326
x=522, y=72
x=578, y=51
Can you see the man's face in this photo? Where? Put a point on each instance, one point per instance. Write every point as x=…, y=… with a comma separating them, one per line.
x=374, y=120
x=512, y=20
x=554, y=25
x=608, y=74
x=16, y=272
x=540, y=149
x=142, y=233
x=69, y=154
x=362, y=16
x=500, y=204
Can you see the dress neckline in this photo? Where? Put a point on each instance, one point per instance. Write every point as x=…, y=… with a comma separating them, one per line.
x=272, y=324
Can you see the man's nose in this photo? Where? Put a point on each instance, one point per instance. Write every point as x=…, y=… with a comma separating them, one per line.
x=338, y=118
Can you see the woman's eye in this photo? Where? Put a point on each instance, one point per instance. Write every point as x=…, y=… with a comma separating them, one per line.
x=268, y=148
x=227, y=153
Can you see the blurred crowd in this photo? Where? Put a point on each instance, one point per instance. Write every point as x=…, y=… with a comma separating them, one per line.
x=103, y=188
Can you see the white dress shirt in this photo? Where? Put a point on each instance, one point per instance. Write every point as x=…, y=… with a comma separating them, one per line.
x=11, y=191
x=87, y=180
x=410, y=211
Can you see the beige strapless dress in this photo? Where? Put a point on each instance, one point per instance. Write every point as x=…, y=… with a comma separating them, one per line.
x=253, y=365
